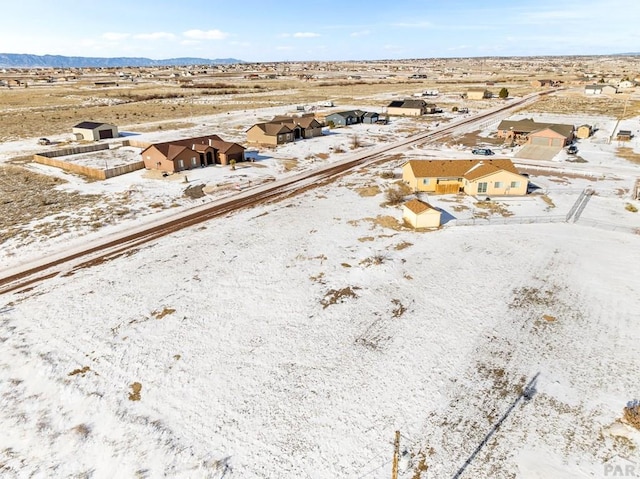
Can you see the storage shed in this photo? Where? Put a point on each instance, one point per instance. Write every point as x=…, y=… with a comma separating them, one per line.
x=92, y=131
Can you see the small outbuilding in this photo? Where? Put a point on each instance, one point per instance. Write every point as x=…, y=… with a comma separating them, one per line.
x=584, y=131
x=420, y=214
x=624, y=135
x=92, y=131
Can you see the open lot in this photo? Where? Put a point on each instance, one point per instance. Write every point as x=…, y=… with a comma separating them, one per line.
x=293, y=339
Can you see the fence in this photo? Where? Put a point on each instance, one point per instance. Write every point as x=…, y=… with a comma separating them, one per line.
x=509, y=220
x=73, y=151
x=94, y=173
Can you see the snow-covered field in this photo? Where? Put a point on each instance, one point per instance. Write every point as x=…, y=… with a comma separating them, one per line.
x=292, y=340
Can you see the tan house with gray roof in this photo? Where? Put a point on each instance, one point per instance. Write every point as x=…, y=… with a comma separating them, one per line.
x=284, y=129
x=532, y=132
x=410, y=107
x=497, y=177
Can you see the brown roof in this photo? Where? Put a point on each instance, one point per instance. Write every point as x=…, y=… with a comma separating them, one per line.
x=171, y=149
x=273, y=129
x=470, y=169
x=417, y=206
x=528, y=125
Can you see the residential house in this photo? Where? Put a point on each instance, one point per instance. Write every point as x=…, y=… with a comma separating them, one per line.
x=491, y=177
x=519, y=131
x=92, y=131
x=600, y=89
x=410, y=107
x=370, y=117
x=624, y=84
x=188, y=153
x=284, y=129
x=420, y=214
x=345, y=118
x=478, y=94
x=584, y=131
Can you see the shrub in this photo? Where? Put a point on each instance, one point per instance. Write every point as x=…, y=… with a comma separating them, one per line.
x=394, y=196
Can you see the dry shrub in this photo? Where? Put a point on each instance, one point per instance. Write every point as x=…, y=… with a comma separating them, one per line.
x=368, y=191
x=82, y=430
x=403, y=245
x=632, y=414
x=387, y=175
x=394, y=196
x=135, y=391
x=631, y=208
x=81, y=371
x=335, y=296
x=194, y=192
x=162, y=313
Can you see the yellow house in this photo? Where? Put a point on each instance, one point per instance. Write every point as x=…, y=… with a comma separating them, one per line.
x=478, y=93
x=420, y=214
x=473, y=177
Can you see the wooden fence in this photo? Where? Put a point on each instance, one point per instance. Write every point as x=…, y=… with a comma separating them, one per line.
x=95, y=173
x=73, y=151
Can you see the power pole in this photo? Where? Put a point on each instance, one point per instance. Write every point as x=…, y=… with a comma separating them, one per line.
x=396, y=453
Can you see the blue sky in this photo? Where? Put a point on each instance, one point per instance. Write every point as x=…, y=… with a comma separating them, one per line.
x=323, y=30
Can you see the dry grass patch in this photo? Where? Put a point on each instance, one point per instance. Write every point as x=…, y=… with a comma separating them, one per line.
x=548, y=318
x=81, y=371
x=289, y=164
x=365, y=239
x=368, y=191
x=548, y=201
x=166, y=126
x=403, y=245
x=136, y=388
x=162, y=313
x=631, y=208
x=492, y=208
x=628, y=154
x=335, y=296
x=374, y=260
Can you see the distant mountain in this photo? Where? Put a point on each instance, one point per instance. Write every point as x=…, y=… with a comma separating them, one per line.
x=17, y=60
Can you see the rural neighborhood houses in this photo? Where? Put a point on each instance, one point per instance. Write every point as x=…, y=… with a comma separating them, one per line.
x=528, y=131
x=410, y=107
x=420, y=214
x=474, y=177
x=351, y=117
x=284, y=129
x=92, y=131
x=188, y=153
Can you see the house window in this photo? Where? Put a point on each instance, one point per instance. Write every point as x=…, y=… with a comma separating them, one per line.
x=482, y=187
x=425, y=181
x=515, y=184
x=497, y=184
x=181, y=164
x=193, y=161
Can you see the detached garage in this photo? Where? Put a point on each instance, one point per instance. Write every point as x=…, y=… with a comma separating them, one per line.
x=551, y=136
x=420, y=214
x=91, y=131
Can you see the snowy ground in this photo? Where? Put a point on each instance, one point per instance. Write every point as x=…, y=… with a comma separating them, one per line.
x=292, y=340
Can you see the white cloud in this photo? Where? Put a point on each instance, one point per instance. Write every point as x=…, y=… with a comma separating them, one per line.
x=361, y=33
x=305, y=35
x=113, y=36
x=206, y=35
x=155, y=36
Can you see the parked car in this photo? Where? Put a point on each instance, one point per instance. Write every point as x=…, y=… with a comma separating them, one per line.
x=482, y=151
x=44, y=141
x=572, y=150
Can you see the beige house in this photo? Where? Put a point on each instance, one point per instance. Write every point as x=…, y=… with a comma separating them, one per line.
x=284, y=129
x=478, y=94
x=584, y=131
x=189, y=153
x=92, y=131
x=474, y=177
x=550, y=136
x=410, y=107
x=420, y=214
x=519, y=131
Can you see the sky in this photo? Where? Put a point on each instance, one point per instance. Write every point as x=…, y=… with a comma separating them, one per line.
x=262, y=31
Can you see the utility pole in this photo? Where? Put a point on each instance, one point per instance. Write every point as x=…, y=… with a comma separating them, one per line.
x=396, y=453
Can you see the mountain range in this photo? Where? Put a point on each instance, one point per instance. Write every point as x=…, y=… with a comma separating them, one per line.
x=18, y=60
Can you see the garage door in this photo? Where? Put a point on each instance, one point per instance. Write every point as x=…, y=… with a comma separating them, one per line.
x=557, y=142
x=105, y=134
x=539, y=140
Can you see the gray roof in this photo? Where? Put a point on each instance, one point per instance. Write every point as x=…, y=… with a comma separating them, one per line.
x=91, y=125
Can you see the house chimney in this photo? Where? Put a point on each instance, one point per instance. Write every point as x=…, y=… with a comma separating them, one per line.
x=193, y=147
x=210, y=142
